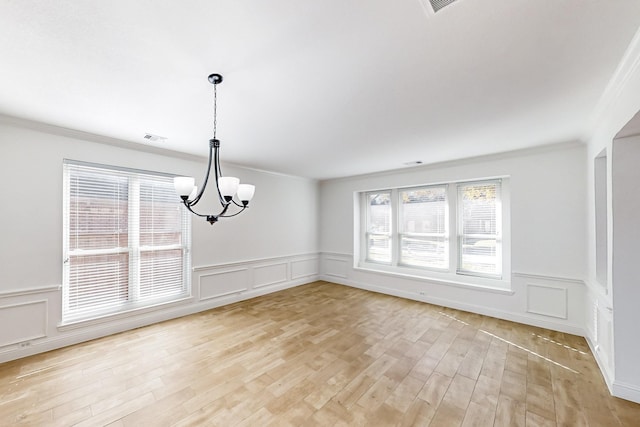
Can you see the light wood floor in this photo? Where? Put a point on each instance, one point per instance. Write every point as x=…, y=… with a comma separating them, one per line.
x=317, y=355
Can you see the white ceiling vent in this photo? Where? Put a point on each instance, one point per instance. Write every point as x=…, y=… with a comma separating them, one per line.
x=413, y=163
x=154, y=138
x=439, y=4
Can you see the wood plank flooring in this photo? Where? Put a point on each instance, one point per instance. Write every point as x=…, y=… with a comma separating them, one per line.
x=317, y=355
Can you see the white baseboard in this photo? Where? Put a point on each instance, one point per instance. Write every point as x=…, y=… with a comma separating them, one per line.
x=626, y=391
x=487, y=311
x=608, y=378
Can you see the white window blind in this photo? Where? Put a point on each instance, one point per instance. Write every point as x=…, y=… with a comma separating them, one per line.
x=479, y=225
x=378, y=234
x=424, y=227
x=126, y=241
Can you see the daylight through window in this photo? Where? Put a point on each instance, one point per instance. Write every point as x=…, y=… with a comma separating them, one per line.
x=452, y=229
x=126, y=241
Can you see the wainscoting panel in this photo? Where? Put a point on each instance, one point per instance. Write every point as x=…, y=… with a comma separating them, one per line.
x=227, y=283
x=218, y=284
x=547, y=300
x=23, y=322
x=266, y=275
x=336, y=267
x=304, y=268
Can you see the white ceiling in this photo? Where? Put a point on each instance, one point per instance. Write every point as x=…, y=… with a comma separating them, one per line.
x=316, y=88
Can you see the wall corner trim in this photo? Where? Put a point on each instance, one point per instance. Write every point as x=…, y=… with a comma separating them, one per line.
x=626, y=68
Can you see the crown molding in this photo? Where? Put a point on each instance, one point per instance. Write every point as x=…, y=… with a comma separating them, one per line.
x=129, y=145
x=627, y=68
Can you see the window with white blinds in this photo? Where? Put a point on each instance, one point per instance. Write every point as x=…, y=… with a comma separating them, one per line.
x=126, y=241
x=443, y=231
x=479, y=225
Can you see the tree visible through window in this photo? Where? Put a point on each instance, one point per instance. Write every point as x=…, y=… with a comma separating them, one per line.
x=450, y=229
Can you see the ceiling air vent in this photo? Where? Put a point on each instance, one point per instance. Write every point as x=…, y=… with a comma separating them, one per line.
x=439, y=4
x=154, y=138
x=413, y=163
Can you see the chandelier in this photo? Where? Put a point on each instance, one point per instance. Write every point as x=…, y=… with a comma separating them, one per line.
x=230, y=192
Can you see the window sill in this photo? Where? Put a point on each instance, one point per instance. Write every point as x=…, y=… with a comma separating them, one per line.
x=105, y=318
x=475, y=283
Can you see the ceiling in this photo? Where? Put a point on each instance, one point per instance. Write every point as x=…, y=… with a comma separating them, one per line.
x=320, y=89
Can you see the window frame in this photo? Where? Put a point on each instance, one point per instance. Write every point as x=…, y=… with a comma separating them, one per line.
x=451, y=275
x=460, y=235
x=134, y=249
x=445, y=235
x=368, y=233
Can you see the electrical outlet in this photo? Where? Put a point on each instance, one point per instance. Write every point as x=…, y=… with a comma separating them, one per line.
x=25, y=344
x=423, y=293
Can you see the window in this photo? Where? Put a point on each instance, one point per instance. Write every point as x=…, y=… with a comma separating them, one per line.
x=424, y=227
x=451, y=231
x=126, y=241
x=478, y=228
x=378, y=233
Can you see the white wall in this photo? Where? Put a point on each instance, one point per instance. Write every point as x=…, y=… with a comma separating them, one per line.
x=625, y=181
x=269, y=247
x=547, y=236
x=609, y=331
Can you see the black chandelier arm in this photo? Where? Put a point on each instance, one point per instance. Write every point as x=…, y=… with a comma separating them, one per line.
x=206, y=178
x=211, y=218
x=238, y=205
x=232, y=215
x=188, y=205
x=218, y=171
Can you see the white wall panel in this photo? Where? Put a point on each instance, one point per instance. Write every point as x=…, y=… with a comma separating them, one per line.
x=266, y=275
x=304, y=268
x=547, y=300
x=625, y=176
x=213, y=285
x=23, y=322
x=336, y=267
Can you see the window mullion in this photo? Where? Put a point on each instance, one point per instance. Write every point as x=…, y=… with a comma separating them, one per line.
x=364, y=236
x=395, y=227
x=499, y=231
x=454, y=239
x=134, y=238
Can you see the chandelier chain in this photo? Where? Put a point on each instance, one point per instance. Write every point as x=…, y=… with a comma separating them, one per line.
x=215, y=102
